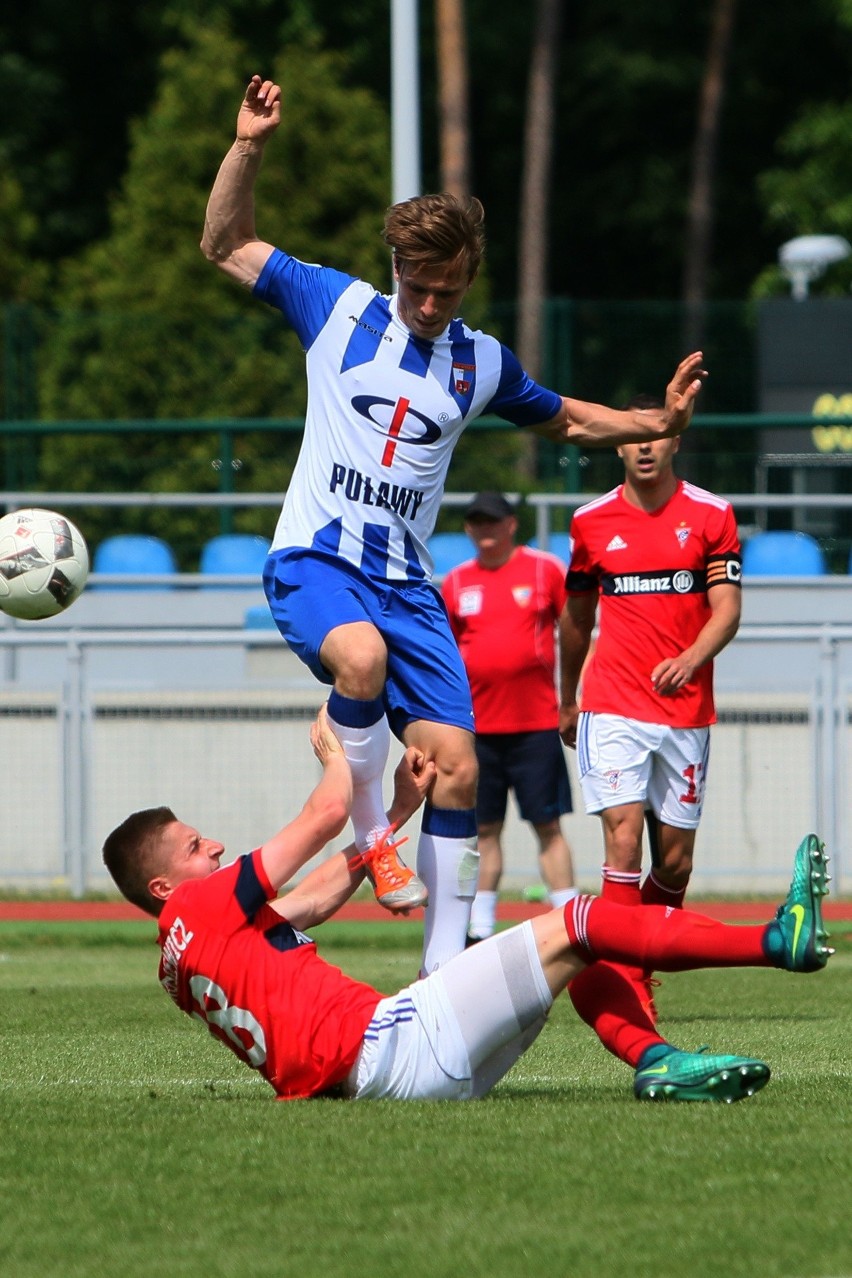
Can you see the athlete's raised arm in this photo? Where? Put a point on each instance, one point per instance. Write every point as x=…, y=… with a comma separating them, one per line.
x=230, y=239
x=321, y=819
x=330, y=885
x=596, y=426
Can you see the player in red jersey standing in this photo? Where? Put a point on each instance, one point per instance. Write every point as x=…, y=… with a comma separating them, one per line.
x=504, y=606
x=661, y=558
x=237, y=959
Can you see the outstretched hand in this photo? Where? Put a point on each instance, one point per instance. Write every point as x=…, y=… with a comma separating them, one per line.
x=681, y=393
x=323, y=740
x=260, y=111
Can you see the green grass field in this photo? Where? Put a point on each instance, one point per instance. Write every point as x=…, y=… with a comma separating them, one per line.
x=134, y=1144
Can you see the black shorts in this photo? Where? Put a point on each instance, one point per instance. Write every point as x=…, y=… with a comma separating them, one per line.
x=532, y=764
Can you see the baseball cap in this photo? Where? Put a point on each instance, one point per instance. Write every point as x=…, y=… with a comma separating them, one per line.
x=491, y=505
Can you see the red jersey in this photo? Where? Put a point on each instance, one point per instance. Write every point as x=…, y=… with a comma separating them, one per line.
x=504, y=622
x=232, y=961
x=653, y=571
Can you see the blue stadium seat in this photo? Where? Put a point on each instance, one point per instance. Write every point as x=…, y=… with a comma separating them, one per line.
x=558, y=543
x=783, y=554
x=136, y=554
x=448, y=550
x=235, y=553
x=259, y=617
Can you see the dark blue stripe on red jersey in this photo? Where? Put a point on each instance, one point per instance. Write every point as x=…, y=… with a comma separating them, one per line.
x=416, y=357
x=281, y=936
x=368, y=332
x=249, y=890
x=463, y=367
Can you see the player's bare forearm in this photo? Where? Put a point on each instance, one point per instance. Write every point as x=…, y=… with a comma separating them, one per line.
x=230, y=238
x=595, y=426
x=325, y=889
x=321, y=819
x=229, y=218
x=576, y=624
x=322, y=892
x=673, y=673
x=324, y=814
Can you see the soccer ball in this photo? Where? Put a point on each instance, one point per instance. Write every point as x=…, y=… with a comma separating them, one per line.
x=44, y=563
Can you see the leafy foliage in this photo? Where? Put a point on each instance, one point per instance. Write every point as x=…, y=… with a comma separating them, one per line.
x=146, y=328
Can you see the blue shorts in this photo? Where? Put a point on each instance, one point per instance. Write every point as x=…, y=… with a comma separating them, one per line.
x=310, y=593
x=530, y=763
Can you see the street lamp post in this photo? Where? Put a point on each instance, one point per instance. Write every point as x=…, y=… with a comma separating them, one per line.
x=807, y=257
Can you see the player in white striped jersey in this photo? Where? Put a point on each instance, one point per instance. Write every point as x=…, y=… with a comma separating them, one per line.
x=392, y=382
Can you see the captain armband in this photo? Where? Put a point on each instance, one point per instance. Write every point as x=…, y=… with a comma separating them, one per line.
x=725, y=569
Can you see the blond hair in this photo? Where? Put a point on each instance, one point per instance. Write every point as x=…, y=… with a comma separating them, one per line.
x=437, y=230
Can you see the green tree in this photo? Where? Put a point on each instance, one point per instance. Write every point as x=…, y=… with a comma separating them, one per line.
x=146, y=328
x=811, y=194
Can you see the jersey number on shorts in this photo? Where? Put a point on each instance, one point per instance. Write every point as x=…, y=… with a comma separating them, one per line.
x=694, y=777
x=236, y=1023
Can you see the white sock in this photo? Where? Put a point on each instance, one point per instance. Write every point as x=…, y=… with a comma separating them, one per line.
x=561, y=896
x=449, y=867
x=367, y=750
x=483, y=915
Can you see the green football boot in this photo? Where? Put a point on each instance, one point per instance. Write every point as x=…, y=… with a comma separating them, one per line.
x=796, y=938
x=694, y=1076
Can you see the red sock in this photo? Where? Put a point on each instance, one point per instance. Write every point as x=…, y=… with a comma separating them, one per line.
x=621, y=886
x=656, y=893
x=609, y=1001
x=660, y=939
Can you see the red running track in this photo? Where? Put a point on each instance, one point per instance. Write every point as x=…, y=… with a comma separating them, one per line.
x=370, y=912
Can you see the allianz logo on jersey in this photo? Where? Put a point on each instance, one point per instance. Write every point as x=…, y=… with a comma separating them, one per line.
x=646, y=583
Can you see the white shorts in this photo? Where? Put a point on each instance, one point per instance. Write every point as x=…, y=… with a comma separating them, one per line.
x=454, y=1034
x=628, y=761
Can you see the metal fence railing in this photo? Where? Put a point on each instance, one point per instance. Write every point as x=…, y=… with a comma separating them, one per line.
x=234, y=758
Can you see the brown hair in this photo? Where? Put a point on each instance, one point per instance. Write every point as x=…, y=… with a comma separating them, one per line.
x=131, y=855
x=437, y=230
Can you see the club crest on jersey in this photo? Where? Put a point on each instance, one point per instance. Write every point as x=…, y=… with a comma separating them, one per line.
x=682, y=534
x=613, y=777
x=470, y=601
x=461, y=377
x=522, y=595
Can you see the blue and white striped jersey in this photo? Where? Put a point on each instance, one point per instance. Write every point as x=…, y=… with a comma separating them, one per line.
x=384, y=412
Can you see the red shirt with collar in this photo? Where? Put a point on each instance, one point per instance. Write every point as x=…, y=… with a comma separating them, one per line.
x=504, y=622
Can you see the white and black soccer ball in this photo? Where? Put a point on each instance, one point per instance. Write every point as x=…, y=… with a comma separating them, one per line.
x=44, y=563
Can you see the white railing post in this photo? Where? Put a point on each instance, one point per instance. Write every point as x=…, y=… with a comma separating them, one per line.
x=826, y=741
x=74, y=769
